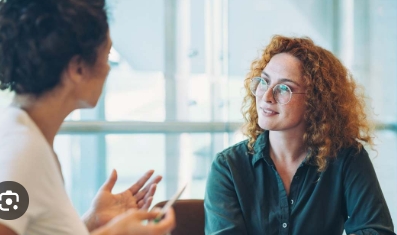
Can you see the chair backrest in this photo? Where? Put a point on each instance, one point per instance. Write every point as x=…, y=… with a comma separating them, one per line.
x=189, y=216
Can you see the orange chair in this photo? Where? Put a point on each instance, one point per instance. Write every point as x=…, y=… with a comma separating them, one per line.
x=189, y=216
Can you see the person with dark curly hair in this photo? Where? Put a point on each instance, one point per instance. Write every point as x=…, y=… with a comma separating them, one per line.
x=54, y=56
x=303, y=169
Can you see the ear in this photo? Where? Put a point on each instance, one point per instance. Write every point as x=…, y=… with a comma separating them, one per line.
x=75, y=70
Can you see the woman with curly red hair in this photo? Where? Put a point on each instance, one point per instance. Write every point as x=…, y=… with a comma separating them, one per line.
x=303, y=168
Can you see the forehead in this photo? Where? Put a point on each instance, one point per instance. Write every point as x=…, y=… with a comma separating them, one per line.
x=284, y=65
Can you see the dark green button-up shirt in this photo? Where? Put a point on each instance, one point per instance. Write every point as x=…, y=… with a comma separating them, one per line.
x=245, y=195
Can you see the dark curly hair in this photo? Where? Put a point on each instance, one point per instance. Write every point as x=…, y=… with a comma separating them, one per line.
x=335, y=107
x=39, y=37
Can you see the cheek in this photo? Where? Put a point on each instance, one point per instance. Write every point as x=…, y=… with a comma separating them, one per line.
x=257, y=101
x=107, y=66
x=297, y=112
x=257, y=106
x=104, y=70
x=295, y=108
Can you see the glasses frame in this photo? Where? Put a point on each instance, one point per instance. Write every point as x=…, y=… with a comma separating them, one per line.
x=274, y=90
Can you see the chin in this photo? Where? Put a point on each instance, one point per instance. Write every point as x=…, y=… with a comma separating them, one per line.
x=86, y=105
x=265, y=125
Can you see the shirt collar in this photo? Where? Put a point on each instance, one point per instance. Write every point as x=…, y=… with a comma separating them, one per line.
x=261, y=143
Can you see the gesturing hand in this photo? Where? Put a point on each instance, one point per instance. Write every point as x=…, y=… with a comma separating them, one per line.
x=131, y=223
x=106, y=205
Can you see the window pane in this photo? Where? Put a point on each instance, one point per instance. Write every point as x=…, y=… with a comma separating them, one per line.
x=87, y=161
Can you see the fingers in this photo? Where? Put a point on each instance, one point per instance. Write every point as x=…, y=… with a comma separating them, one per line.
x=145, y=192
x=130, y=222
x=165, y=225
x=170, y=216
x=141, y=182
x=109, y=184
x=145, y=204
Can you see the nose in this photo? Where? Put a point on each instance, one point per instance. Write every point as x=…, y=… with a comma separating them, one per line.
x=268, y=96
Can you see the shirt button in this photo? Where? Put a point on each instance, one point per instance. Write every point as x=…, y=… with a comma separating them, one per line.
x=284, y=225
x=292, y=202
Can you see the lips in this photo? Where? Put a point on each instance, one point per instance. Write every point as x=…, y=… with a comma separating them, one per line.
x=268, y=111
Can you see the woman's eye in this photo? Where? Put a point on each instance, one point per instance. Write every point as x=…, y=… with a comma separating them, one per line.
x=284, y=88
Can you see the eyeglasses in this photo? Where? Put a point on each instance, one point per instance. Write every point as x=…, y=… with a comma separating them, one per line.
x=281, y=92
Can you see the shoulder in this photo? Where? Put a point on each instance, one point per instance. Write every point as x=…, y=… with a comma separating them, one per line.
x=22, y=146
x=25, y=156
x=352, y=154
x=17, y=128
x=229, y=165
x=234, y=158
x=352, y=159
x=236, y=152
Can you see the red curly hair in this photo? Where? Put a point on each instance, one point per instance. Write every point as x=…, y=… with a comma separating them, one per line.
x=335, y=108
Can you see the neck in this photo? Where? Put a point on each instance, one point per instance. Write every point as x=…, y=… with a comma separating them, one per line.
x=47, y=111
x=287, y=146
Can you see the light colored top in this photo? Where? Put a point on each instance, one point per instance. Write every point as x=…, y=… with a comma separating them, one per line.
x=27, y=158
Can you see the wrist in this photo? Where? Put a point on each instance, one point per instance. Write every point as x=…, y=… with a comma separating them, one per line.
x=89, y=220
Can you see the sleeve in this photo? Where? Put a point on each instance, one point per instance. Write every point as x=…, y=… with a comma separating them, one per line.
x=367, y=210
x=223, y=214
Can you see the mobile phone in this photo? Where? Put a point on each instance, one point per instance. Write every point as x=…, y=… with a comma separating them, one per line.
x=169, y=203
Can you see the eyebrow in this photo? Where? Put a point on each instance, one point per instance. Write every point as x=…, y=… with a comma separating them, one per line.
x=281, y=79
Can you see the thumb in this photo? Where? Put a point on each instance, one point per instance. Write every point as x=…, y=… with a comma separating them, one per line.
x=109, y=184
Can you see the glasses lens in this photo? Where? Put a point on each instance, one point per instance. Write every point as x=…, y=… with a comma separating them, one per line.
x=258, y=86
x=282, y=93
